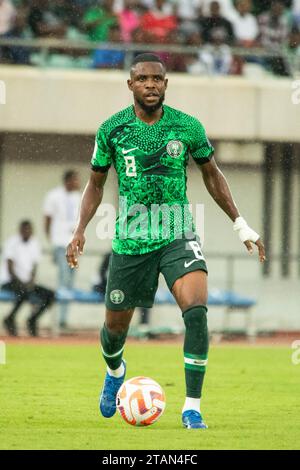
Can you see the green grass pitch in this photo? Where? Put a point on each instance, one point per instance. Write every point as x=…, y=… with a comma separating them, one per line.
x=49, y=399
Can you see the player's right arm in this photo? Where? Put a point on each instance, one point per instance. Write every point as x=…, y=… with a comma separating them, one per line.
x=91, y=199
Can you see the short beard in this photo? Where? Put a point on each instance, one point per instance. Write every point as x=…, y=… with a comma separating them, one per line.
x=152, y=108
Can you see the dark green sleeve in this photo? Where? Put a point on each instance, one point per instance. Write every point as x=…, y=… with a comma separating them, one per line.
x=101, y=159
x=200, y=147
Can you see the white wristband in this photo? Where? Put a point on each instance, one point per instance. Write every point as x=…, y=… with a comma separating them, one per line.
x=244, y=231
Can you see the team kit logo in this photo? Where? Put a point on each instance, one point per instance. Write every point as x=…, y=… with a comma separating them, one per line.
x=117, y=296
x=175, y=148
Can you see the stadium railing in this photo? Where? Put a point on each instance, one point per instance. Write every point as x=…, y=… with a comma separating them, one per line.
x=45, y=46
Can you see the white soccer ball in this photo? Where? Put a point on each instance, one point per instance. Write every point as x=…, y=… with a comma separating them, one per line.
x=141, y=401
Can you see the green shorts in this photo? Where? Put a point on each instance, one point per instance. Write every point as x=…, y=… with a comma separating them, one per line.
x=133, y=279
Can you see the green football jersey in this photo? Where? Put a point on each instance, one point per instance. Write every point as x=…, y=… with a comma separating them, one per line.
x=150, y=161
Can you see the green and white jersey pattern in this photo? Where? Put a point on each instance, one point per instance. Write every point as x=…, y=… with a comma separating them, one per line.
x=150, y=161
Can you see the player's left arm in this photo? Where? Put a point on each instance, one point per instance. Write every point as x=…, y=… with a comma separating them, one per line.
x=218, y=188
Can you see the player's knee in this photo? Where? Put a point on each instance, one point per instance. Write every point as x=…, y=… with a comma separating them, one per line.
x=116, y=327
x=195, y=316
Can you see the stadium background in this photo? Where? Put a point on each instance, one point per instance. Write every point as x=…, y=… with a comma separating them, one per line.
x=51, y=115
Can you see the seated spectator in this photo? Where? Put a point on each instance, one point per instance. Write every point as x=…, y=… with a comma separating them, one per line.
x=274, y=26
x=21, y=255
x=160, y=20
x=245, y=24
x=140, y=36
x=296, y=12
x=194, y=63
x=212, y=59
x=12, y=25
x=293, y=50
x=174, y=61
x=128, y=19
x=44, y=22
x=274, y=31
x=188, y=12
x=98, y=20
x=7, y=17
x=227, y=9
x=261, y=6
x=216, y=28
x=110, y=58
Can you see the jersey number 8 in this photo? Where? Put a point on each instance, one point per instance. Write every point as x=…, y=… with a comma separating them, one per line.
x=130, y=166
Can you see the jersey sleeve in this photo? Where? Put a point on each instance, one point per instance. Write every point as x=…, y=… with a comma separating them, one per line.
x=101, y=159
x=200, y=147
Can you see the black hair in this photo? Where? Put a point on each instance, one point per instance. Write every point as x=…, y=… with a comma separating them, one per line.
x=68, y=175
x=147, y=57
x=25, y=223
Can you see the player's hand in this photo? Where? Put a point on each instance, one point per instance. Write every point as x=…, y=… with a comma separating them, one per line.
x=261, y=249
x=248, y=236
x=74, y=249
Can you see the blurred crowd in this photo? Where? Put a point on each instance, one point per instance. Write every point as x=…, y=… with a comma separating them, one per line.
x=213, y=27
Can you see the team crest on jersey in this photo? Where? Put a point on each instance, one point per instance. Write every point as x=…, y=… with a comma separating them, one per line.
x=174, y=148
x=117, y=296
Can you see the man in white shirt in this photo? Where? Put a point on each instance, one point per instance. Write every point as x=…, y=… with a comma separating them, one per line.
x=7, y=17
x=61, y=208
x=21, y=255
x=245, y=24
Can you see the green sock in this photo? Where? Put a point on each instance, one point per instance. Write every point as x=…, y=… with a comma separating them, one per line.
x=195, y=349
x=112, y=347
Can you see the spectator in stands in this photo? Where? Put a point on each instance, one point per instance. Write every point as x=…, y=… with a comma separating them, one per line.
x=188, y=12
x=128, y=19
x=274, y=31
x=109, y=58
x=12, y=25
x=227, y=9
x=140, y=36
x=44, y=22
x=174, y=61
x=194, y=62
x=215, y=28
x=160, y=20
x=21, y=255
x=293, y=49
x=8, y=15
x=61, y=209
x=212, y=59
x=245, y=24
x=98, y=20
x=296, y=12
x=274, y=26
x=261, y=6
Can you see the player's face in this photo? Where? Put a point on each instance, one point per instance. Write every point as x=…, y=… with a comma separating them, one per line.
x=73, y=183
x=26, y=231
x=148, y=83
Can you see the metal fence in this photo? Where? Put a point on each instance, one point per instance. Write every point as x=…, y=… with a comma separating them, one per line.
x=47, y=46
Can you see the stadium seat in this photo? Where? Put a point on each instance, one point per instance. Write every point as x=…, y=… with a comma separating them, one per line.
x=232, y=302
